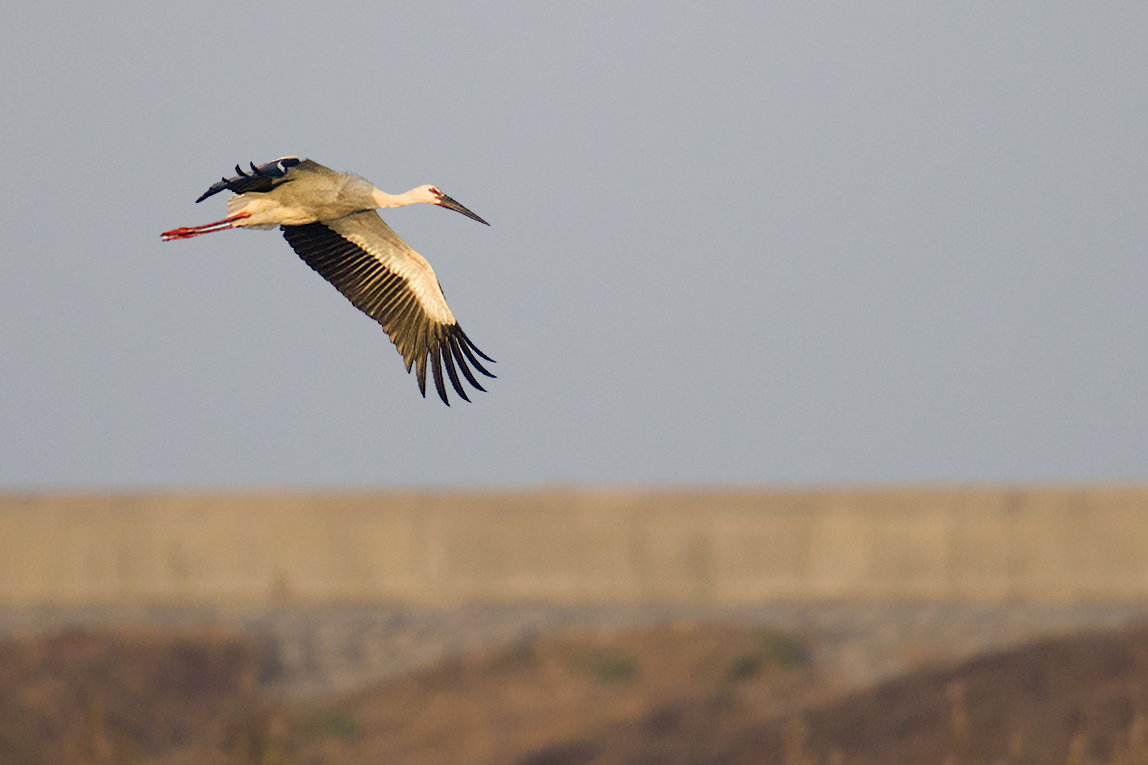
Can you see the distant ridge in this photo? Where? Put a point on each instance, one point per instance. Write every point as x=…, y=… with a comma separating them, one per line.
x=1061, y=544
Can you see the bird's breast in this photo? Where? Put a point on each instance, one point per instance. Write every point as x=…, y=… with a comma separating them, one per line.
x=265, y=212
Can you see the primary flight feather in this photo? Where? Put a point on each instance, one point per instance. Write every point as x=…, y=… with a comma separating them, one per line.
x=329, y=219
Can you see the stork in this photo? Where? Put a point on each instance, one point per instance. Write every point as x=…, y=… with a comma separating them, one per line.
x=330, y=220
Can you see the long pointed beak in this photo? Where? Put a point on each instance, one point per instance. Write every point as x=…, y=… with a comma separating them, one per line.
x=450, y=204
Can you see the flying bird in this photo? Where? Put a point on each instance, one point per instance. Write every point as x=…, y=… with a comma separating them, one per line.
x=330, y=220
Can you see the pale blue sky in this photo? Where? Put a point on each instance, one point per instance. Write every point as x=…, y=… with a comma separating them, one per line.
x=796, y=243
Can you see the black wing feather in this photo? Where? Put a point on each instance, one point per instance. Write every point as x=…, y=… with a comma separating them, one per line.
x=388, y=299
x=448, y=361
x=462, y=364
x=261, y=178
x=436, y=368
x=467, y=345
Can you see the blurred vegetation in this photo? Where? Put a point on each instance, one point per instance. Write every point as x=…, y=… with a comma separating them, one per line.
x=605, y=664
x=775, y=648
x=669, y=694
x=783, y=649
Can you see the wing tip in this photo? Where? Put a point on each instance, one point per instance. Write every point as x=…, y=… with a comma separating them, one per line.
x=451, y=350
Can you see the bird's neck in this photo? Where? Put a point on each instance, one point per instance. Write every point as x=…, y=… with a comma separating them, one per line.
x=384, y=200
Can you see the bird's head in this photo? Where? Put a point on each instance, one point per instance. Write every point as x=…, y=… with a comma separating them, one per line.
x=432, y=195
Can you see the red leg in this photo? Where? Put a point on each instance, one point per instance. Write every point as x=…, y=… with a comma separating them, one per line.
x=186, y=232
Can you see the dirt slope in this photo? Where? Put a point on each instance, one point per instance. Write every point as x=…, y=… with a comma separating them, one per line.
x=719, y=693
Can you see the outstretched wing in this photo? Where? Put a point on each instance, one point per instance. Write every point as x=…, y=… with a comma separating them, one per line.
x=261, y=178
x=394, y=285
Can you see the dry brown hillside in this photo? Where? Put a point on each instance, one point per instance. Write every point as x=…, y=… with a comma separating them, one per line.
x=719, y=693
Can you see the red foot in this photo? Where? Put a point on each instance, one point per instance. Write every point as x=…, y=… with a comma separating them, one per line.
x=187, y=232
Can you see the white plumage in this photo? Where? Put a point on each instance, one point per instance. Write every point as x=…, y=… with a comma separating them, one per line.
x=329, y=219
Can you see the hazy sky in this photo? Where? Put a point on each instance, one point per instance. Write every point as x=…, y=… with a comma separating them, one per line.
x=749, y=243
